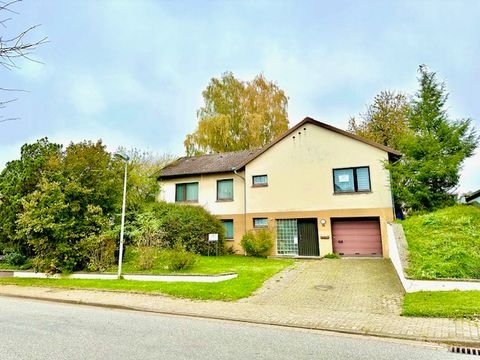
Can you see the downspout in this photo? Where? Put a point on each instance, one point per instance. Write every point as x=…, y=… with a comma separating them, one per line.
x=244, y=200
x=390, y=182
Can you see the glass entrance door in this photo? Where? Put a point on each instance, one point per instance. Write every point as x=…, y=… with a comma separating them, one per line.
x=287, y=237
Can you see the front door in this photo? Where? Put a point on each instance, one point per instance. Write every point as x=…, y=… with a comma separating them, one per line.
x=308, y=237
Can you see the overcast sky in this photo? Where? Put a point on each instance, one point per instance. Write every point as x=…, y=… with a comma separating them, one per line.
x=132, y=72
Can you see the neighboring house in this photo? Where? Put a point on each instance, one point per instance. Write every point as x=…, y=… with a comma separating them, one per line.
x=319, y=188
x=473, y=197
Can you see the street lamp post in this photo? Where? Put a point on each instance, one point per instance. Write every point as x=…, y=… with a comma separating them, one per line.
x=125, y=158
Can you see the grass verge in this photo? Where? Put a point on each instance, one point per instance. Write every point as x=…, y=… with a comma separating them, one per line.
x=444, y=243
x=252, y=273
x=448, y=304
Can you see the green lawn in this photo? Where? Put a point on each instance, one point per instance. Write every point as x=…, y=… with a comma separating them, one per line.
x=444, y=244
x=252, y=273
x=452, y=304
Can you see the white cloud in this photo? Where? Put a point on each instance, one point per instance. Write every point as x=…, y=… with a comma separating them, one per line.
x=470, y=174
x=85, y=95
x=9, y=153
x=34, y=70
x=309, y=76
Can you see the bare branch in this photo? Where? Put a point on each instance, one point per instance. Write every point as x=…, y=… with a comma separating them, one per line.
x=5, y=102
x=2, y=22
x=9, y=119
x=14, y=48
x=7, y=89
x=6, y=6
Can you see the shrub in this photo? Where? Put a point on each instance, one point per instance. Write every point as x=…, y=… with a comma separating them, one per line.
x=146, y=257
x=257, y=243
x=189, y=225
x=100, y=251
x=15, y=259
x=331, y=256
x=178, y=258
x=147, y=230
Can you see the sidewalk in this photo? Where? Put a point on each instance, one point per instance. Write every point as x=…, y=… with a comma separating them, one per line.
x=289, y=299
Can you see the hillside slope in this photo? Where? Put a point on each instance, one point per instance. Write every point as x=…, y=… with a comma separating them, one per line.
x=444, y=243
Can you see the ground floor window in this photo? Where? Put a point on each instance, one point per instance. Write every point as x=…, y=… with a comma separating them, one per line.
x=287, y=237
x=260, y=222
x=228, y=225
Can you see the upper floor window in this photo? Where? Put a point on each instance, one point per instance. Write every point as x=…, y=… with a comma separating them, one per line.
x=355, y=179
x=186, y=192
x=225, y=190
x=260, y=180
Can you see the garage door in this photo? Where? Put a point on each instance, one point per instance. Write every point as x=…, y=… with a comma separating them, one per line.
x=357, y=237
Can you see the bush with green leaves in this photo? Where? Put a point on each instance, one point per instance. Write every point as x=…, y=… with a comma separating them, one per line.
x=99, y=251
x=187, y=224
x=178, y=258
x=257, y=242
x=331, y=256
x=15, y=259
x=146, y=256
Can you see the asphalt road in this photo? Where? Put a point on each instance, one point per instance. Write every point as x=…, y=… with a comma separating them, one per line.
x=41, y=330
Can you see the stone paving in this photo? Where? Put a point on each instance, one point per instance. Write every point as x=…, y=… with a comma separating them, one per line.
x=351, y=285
x=360, y=296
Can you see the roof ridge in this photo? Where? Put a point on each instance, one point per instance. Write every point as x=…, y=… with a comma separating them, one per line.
x=220, y=153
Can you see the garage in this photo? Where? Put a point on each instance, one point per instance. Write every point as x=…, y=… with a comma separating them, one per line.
x=357, y=237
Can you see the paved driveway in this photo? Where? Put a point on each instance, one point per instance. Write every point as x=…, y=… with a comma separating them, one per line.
x=350, y=285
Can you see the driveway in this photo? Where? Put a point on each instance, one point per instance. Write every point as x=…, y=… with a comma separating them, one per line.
x=349, y=285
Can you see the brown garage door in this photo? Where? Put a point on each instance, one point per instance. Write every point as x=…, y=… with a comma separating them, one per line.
x=357, y=237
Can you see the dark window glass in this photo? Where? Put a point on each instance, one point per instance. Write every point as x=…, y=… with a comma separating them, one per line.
x=260, y=180
x=186, y=192
x=351, y=179
x=225, y=189
x=260, y=222
x=228, y=225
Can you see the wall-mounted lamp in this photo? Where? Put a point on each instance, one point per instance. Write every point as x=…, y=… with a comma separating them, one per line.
x=323, y=222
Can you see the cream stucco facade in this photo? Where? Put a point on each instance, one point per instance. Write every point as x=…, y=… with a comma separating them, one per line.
x=299, y=168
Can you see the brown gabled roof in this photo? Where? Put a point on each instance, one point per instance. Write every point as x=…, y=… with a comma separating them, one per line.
x=226, y=162
x=207, y=164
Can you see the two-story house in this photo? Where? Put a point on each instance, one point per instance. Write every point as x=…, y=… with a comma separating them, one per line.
x=319, y=188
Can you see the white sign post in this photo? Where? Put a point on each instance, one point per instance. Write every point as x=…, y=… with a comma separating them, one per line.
x=212, y=238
